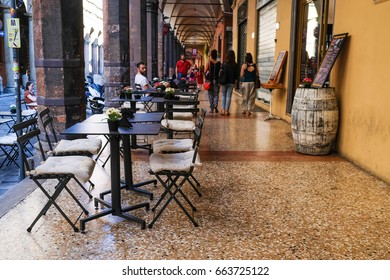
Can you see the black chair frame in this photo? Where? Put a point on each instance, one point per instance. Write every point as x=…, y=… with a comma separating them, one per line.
x=63, y=179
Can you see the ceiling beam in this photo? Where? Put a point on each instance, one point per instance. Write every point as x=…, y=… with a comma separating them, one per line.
x=193, y=3
x=193, y=17
x=199, y=24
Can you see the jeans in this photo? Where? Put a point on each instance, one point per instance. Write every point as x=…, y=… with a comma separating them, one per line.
x=213, y=95
x=227, y=91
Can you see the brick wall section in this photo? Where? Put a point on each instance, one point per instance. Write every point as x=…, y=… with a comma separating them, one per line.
x=59, y=53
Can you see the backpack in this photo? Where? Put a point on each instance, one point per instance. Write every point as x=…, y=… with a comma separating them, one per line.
x=222, y=79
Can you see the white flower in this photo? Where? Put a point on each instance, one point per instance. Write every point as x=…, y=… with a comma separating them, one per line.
x=169, y=90
x=114, y=114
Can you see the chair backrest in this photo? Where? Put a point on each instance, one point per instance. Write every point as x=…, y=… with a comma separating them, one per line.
x=25, y=132
x=47, y=123
x=138, y=87
x=198, y=135
x=203, y=112
x=196, y=151
x=181, y=106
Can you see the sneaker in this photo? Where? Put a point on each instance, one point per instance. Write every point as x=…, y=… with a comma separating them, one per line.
x=248, y=113
x=211, y=110
x=243, y=112
x=216, y=109
x=227, y=113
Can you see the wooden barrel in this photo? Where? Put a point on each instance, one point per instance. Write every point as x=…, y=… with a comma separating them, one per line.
x=314, y=120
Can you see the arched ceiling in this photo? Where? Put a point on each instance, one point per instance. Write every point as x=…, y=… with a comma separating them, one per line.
x=194, y=21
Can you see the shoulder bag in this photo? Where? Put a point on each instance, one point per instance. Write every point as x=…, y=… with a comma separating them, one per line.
x=222, y=75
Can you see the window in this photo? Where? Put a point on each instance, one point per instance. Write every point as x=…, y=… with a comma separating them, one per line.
x=314, y=37
x=310, y=40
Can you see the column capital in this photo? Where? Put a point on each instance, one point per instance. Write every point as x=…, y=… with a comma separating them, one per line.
x=151, y=6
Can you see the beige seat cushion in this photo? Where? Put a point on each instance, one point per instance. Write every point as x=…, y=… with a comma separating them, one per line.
x=178, y=125
x=91, y=146
x=8, y=139
x=81, y=166
x=173, y=162
x=172, y=145
x=187, y=116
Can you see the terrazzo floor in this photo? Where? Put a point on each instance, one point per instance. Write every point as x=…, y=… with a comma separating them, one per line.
x=261, y=201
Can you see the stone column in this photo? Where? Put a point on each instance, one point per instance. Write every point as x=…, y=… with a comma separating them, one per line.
x=59, y=59
x=101, y=60
x=116, y=48
x=171, y=50
x=31, y=54
x=160, y=48
x=87, y=41
x=95, y=55
x=138, y=36
x=8, y=80
x=151, y=23
x=166, y=55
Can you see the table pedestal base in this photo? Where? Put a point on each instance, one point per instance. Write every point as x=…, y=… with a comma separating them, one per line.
x=271, y=116
x=120, y=213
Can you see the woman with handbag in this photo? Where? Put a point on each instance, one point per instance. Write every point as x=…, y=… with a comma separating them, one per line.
x=231, y=73
x=213, y=68
x=249, y=74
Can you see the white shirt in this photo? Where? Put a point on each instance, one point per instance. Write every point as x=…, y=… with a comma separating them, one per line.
x=141, y=80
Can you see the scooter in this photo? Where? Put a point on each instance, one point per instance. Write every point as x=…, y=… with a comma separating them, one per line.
x=94, y=92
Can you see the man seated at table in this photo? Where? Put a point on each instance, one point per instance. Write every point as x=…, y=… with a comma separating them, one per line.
x=140, y=79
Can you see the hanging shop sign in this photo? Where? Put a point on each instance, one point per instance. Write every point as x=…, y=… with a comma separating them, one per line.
x=165, y=28
x=13, y=31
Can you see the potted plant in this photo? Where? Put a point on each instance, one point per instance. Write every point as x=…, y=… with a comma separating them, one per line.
x=114, y=115
x=127, y=92
x=161, y=86
x=169, y=93
x=306, y=82
x=12, y=108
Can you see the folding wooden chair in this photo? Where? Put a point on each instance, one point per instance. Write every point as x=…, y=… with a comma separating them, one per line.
x=9, y=147
x=63, y=169
x=83, y=147
x=173, y=170
x=181, y=145
x=176, y=126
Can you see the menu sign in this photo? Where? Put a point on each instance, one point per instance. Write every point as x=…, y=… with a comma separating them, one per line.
x=330, y=57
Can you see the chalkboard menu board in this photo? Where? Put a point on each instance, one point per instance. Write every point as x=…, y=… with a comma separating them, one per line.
x=276, y=72
x=330, y=57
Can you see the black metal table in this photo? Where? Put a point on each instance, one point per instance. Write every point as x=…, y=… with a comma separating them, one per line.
x=26, y=115
x=153, y=117
x=115, y=206
x=133, y=101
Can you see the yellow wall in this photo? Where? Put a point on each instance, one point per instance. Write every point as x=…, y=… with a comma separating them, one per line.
x=282, y=44
x=360, y=76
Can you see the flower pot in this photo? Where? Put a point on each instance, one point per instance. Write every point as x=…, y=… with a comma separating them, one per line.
x=314, y=120
x=113, y=125
x=169, y=96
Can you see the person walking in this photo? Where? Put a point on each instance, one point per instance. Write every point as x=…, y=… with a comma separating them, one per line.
x=232, y=73
x=248, y=75
x=199, y=76
x=182, y=67
x=212, y=69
